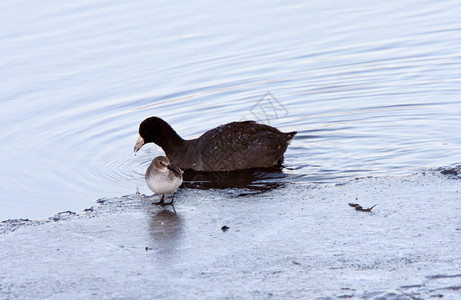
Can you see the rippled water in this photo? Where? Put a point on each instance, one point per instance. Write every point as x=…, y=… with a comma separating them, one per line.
x=372, y=88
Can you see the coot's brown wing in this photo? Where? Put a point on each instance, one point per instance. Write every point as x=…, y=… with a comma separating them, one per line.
x=241, y=145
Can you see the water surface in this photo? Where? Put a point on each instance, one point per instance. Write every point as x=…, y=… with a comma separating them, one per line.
x=371, y=88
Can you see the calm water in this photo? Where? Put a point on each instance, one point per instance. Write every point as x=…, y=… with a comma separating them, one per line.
x=372, y=88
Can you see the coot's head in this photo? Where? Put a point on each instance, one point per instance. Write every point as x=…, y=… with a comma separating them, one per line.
x=155, y=130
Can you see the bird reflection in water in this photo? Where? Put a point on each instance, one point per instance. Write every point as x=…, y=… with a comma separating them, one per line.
x=165, y=230
x=255, y=181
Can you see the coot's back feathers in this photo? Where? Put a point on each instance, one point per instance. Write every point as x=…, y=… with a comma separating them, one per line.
x=241, y=145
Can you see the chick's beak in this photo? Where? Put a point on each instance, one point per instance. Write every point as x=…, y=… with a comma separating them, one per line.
x=175, y=169
x=139, y=144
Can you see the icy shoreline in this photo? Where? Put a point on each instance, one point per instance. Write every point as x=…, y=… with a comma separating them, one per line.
x=295, y=241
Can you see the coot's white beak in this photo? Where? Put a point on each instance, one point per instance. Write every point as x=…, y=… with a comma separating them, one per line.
x=139, y=144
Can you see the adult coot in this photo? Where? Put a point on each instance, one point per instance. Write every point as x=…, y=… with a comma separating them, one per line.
x=232, y=146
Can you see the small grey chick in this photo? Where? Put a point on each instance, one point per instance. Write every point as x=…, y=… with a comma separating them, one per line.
x=163, y=178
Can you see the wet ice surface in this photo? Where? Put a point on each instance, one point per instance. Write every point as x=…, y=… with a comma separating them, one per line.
x=292, y=241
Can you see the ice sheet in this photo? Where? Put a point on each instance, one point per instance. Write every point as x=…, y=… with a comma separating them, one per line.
x=297, y=241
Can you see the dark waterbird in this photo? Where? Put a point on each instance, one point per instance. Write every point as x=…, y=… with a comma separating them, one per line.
x=232, y=146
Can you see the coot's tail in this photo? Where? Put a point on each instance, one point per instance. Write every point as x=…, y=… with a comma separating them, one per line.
x=290, y=136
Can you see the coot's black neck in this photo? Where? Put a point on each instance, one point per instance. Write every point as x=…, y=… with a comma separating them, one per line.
x=167, y=138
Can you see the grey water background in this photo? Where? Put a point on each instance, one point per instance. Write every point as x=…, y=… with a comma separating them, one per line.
x=372, y=88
